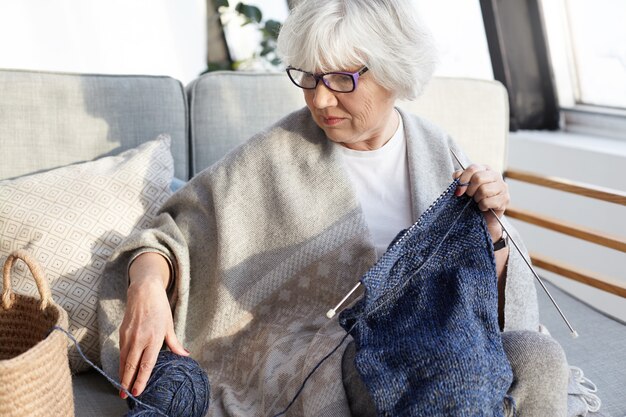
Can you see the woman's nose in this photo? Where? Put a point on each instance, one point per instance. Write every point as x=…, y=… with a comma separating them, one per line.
x=323, y=97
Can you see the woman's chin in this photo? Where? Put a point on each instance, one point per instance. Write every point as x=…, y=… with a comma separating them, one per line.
x=333, y=137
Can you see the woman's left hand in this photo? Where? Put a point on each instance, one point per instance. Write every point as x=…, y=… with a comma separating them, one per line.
x=489, y=190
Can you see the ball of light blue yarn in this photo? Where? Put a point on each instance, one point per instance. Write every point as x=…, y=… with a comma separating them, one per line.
x=177, y=387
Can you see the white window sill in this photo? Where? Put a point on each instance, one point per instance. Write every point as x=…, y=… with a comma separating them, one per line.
x=573, y=140
x=596, y=121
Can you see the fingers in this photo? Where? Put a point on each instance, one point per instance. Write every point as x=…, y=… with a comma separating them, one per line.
x=136, y=364
x=484, y=181
x=486, y=187
x=124, y=351
x=488, y=190
x=129, y=364
x=144, y=368
x=470, y=178
x=174, y=344
x=492, y=196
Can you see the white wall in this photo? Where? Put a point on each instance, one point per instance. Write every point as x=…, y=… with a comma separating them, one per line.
x=580, y=158
x=457, y=26
x=160, y=37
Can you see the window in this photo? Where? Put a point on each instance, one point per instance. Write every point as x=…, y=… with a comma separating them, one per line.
x=588, y=56
x=588, y=51
x=598, y=32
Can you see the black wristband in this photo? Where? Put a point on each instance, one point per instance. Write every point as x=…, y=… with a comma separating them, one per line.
x=499, y=244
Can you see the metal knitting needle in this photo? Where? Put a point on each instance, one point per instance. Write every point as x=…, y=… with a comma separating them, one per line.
x=573, y=332
x=331, y=313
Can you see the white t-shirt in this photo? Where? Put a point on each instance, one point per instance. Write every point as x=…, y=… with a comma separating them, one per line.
x=381, y=181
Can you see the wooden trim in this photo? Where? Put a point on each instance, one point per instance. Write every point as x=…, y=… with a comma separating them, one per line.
x=578, y=274
x=603, y=239
x=579, y=188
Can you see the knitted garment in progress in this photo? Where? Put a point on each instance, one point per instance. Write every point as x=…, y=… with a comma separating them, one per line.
x=426, y=330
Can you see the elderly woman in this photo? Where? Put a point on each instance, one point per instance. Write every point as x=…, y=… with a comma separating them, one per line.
x=243, y=262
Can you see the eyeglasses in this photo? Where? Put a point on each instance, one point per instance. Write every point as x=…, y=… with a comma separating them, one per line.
x=339, y=82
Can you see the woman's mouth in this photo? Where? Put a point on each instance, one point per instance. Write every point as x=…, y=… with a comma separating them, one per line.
x=332, y=121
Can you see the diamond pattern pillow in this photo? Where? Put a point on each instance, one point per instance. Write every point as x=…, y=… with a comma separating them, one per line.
x=71, y=219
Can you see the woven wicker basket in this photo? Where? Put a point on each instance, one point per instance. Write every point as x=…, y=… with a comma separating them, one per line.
x=35, y=377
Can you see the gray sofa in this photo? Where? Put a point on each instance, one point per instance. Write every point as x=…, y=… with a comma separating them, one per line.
x=49, y=120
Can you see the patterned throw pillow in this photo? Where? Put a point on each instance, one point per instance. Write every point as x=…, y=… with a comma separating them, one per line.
x=71, y=219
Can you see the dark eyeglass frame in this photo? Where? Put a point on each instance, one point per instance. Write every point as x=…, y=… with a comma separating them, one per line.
x=355, y=78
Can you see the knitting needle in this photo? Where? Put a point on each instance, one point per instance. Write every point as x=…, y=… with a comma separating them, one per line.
x=331, y=313
x=573, y=332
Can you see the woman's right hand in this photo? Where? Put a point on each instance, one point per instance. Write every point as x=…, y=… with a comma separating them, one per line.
x=147, y=322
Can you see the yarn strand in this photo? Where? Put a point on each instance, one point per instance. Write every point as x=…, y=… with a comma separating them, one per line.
x=295, y=397
x=111, y=380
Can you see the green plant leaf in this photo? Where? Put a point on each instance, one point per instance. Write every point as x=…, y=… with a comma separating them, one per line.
x=251, y=12
x=272, y=28
x=267, y=49
x=238, y=64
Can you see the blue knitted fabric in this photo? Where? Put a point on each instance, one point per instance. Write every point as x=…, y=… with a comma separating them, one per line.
x=426, y=330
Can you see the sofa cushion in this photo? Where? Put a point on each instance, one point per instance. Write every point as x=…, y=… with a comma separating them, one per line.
x=71, y=219
x=228, y=107
x=58, y=119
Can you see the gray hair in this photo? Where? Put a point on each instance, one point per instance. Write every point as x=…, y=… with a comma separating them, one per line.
x=387, y=36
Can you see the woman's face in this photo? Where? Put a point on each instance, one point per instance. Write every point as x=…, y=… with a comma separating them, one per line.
x=362, y=120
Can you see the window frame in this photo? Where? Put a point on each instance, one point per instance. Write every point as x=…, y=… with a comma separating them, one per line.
x=576, y=116
x=520, y=61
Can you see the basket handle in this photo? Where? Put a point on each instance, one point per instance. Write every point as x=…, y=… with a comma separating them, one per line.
x=35, y=269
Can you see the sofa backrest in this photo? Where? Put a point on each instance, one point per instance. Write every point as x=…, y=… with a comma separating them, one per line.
x=226, y=108
x=53, y=119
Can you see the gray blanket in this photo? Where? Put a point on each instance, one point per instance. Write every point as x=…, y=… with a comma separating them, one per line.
x=263, y=243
